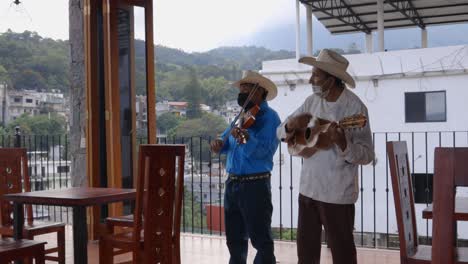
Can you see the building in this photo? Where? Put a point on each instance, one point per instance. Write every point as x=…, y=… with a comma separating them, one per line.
x=31, y=102
x=23, y=102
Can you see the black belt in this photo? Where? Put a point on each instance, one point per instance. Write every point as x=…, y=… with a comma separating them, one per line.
x=249, y=177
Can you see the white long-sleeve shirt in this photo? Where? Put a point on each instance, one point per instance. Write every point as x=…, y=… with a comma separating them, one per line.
x=331, y=175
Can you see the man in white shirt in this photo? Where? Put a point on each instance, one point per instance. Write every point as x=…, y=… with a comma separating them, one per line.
x=329, y=176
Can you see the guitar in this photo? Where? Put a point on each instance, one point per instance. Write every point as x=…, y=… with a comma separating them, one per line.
x=309, y=136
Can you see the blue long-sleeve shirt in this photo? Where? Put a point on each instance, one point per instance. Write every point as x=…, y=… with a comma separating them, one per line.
x=256, y=155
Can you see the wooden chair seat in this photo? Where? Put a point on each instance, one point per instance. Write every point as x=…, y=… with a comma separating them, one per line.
x=35, y=229
x=123, y=238
x=11, y=250
x=121, y=221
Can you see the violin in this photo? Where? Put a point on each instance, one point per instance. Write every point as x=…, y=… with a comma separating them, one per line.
x=244, y=120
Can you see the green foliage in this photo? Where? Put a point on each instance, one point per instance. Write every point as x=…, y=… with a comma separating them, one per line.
x=4, y=77
x=194, y=218
x=168, y=121
x=217, y=91
x=209, y=125
x=33, y=62
x=284, y=234
x=199, y=131
x=30, y=61
x=38, y=125
x=193, y=94
x=30, y=80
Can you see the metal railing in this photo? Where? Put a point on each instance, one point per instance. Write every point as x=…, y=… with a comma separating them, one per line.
x=375, y=224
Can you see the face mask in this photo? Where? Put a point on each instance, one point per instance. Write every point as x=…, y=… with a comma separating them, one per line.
x=241, y=98
x=319, y=91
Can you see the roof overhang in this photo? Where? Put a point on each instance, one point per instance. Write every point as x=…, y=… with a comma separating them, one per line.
x=346, y=16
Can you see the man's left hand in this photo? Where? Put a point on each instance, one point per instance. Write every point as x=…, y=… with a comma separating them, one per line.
x=337, y=136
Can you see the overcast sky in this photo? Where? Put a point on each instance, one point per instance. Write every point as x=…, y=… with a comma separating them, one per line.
x=189, y=25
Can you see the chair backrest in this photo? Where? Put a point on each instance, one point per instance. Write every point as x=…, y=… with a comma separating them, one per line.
x=403, y=197
x=159, y=200
x=13, y=173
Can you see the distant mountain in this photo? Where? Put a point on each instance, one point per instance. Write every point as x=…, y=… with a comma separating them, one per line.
x=246, y=57
x=283, y=37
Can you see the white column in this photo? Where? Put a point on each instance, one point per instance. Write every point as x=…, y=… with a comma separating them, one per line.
x=309, y=31
x=424, y=38
x=298, y=31
x=380, y=24
x=369, y=43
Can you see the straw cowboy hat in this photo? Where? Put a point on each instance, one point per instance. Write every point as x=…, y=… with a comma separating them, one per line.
x=333, y=63
x=256, y=78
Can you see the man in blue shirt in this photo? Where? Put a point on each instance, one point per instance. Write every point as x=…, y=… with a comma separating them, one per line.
x=247, y=197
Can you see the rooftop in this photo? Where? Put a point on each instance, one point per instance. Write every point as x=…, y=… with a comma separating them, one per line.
x=347, y=16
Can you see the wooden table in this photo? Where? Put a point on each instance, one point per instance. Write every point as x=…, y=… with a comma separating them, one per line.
x=78, y=199
x=461, y=210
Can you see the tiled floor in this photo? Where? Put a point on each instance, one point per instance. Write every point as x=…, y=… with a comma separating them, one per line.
x=198, y=249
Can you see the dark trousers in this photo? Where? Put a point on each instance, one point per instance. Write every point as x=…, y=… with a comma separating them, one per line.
x=338, y=221
x=247, y=214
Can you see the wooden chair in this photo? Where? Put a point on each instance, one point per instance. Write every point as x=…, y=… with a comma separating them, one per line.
x=159, y=201
x=11, y=250
x=13, y=174
x=410, y=251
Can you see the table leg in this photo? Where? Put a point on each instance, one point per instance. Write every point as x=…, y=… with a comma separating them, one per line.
x=18, y=223
x=80, y=235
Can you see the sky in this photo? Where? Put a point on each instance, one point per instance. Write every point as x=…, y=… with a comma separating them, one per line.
x=189, y=25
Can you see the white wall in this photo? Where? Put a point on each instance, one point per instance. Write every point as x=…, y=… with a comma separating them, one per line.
x=437, y=69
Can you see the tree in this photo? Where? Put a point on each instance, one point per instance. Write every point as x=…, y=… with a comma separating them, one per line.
x=217, y=91
x=52, y=124
x=29, y=80
x=209, y=125
x=193, y=93
x=193, y=219
x=4, y=78
x=167, y=122
x=199, y=131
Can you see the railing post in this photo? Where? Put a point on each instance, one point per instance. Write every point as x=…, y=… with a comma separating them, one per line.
x=17, y=137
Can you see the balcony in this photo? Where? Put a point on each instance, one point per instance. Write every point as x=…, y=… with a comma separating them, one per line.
x=202, y=220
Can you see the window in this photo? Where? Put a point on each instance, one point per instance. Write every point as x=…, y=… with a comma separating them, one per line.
x=29, y=101
x=425, y=107
x=63, y=169
x=422, y=187
x=17, y=99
